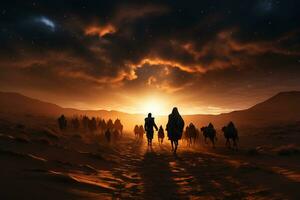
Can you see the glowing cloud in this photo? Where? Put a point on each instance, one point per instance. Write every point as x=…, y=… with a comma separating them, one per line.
x=100, y=30
x=159, y=61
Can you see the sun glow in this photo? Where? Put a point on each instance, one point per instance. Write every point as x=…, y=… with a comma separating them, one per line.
x=154, y=105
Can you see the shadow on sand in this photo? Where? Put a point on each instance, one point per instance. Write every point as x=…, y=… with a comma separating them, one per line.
x=157, y=177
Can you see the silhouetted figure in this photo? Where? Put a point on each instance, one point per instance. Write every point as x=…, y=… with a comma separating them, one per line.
x=92, y=124
x=174, y=128
x=107, y=135
x=110, y=125
x=136, y=131
x=62, y=122
x=85, y=122
x=149, y=125
x=209, y=132
x=161, y=135
x=75, y=123
x=118, y=126
x=230, y=132
x=102, y=126
x=141, y=132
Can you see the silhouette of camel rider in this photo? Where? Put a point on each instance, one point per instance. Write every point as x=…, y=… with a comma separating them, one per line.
x=149, y=124
x=231, y=128
x=160, y=135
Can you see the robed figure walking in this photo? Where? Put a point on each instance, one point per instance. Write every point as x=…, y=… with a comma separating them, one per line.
x=174, y=128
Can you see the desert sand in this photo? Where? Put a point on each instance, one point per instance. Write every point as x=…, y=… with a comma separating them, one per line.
x=39, y=161
x=43, y=163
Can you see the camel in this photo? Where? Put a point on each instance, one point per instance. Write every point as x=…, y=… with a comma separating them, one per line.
x=231, y=133
x=209, y=132
x=191, y=134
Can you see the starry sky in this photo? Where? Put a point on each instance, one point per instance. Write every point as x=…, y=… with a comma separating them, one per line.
x=207, y=56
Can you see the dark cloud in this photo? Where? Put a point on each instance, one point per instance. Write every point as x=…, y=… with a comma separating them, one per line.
x=193, y=48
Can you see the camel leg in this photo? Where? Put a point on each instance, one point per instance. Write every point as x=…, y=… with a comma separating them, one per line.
x=227, y=143
x=176, y=145
x=172, y=145
x=235, y=145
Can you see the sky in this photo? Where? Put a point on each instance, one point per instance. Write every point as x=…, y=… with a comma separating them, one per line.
x=207, y=56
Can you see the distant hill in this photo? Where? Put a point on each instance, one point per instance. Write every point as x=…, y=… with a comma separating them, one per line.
x=14, y=103
x=284, y=107
x=19, y=106
x=282, y=103
x=281, y=108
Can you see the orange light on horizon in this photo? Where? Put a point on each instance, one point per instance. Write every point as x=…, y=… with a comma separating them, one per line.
x=154, y=104
x=159, y=104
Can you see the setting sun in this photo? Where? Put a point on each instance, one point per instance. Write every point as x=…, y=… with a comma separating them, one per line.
x=154, y=105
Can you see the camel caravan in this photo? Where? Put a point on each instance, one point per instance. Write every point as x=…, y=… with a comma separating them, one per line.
x=139, y=132
x=83, y=124
x=192, y=134
x=175, y=131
